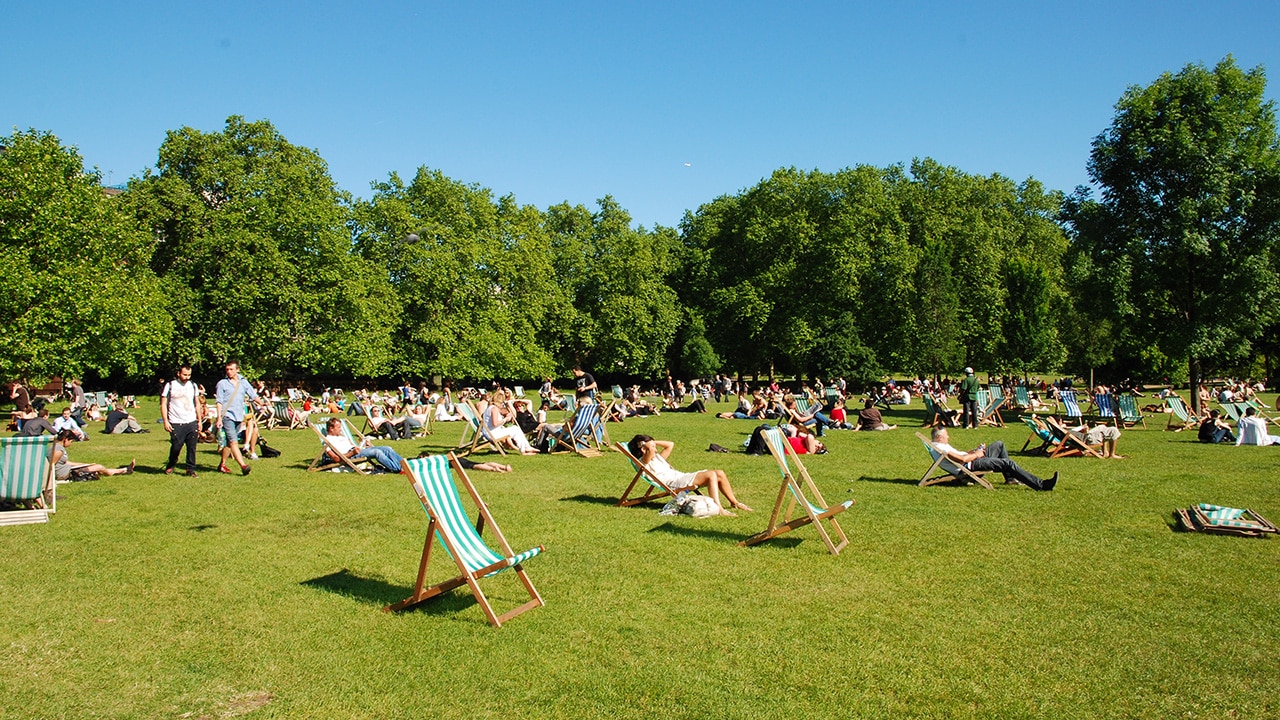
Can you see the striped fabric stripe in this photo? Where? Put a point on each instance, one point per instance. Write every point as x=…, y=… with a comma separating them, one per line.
x=1071, y=407
x=1106, y=404
x=1128, y=408
x=434, y=475
x=23, y=466
x=1179, y=410
x=1218, y=513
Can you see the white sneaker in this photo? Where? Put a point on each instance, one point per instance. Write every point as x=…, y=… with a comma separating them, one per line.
x=253, y=456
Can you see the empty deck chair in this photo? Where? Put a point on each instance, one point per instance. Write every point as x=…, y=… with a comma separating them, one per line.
x=26, y=479
x=951, y=471
x=989, y=409
x=1127, y=411
x=794, y=494
x=655, y=488
x=1204, y=517
x=433, y=481
x=325, y=460
x=1070, y=407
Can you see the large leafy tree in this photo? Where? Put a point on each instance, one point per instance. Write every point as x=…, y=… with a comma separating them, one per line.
x=78, y=293
x=255, y=253
x=1190, y=179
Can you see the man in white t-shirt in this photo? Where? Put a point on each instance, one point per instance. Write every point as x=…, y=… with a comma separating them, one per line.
x=182, y=409
x=988, y=458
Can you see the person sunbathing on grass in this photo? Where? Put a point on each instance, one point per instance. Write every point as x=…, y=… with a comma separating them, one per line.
x=65, y=470
x=653, y=454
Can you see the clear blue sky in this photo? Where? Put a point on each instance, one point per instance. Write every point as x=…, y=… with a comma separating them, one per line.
x=572, y=101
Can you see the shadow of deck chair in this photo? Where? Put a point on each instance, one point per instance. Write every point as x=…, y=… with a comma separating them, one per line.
x=325, y=460
x=989, y=409
x=1128, y=412
x=1070, y=406
x=432, y=480
x=951, y=471
x=1067, y=444
x=1204, y=517
x=584, y=434
x=474, y=434
x=1179, y=417
x=794, y=494
x=655, y=489
x=26, y=479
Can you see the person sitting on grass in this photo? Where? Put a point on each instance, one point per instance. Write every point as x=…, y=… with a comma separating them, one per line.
x=653, y=454
x=988, y=458
x=64, y=470
x=1215, y=430
x=39, y=425
x=381, y=454
x=869, y=418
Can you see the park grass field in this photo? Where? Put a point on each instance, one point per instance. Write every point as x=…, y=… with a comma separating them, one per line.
x=154, y=596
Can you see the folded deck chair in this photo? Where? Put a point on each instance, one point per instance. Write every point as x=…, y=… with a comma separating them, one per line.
x=655, y=488
x=1067, y=444
x=26, y=479
x=474, y=433
x=807, y=497
x=1104, y=404
x=1179, y=417
x=1127, y=410
x=584, y=434
x=1070, y=407
x=432, y=480
x=325, y=461
x=951, y=471
x=1204, y=517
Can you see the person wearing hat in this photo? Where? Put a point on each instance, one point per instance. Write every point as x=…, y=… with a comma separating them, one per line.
x=969, y=399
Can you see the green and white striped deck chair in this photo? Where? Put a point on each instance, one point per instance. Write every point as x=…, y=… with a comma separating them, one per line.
x=325, y=460
x=1127, y=410
x=570, y=406
x=1179, y=418
x=989, y=408
x=997, y=394
x=473, y=432
x=655, y=489
x=518, y=391
x=1263, y=411
x=284, y=415
x=1041, y=432
x=617, y=392
x=432, y=480
x=951, y=471
x=1232, y=410
x=1204, y=517
x=793, y=494
x=932, y=415
x=1070, y=407
x=803, y=404
x=1022, y=397
x=26, y=478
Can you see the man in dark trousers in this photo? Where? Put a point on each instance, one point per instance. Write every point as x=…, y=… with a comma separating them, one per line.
x=969, y=399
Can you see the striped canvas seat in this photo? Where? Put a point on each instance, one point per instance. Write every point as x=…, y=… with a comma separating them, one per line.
x=806, y=496
x=584, y=435
x=1106, y=405
x=474, y=433
x=1070, y=406
x=1127, y=409
x=433, y=481
x=26, y=478
x=949, y=471
x=1179, y=417
x=989, y=402
x=325, y=461
x=1204, y=517
x=1022, y=396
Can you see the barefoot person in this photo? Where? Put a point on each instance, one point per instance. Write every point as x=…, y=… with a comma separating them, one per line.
x=654, y=453
x=63, y=468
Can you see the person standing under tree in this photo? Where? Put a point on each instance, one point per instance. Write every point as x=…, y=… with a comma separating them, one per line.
x=969, y=399
x=182, y=415
x=584, y=383
x=230, y=396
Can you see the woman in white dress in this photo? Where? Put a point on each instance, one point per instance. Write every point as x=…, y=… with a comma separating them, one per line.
x=654, y=454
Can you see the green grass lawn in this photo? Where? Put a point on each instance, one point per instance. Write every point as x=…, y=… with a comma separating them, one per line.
x=155, y=596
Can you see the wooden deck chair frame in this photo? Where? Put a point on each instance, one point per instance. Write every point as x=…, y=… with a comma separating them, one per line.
x=324, y=461
x=1127, y=412
x=1227, y=521
x=932, y=416
x=1068, y=445
x=962, y=473
x=655, y=488
x=473, y=432
x=1179, y=416
x=27, y=476
x=432, y=480
x=792, y=494
x=1046, y=437
x=579, y=432
x=989, y=409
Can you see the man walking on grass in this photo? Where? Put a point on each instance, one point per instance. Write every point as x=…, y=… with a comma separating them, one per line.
x=230, y=395
x=182, y=415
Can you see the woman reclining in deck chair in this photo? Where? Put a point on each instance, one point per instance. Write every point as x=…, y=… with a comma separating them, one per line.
x=653, y=454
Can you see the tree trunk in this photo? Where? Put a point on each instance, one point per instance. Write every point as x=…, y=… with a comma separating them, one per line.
x=1193, y=375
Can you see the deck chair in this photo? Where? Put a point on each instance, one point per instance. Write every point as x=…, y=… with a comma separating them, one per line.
x=474, y=435
x=584, y=434
x=325, y=461
x=989, y=409
x=1232, y=411
x=950, y=471
x=932, y=416
x=1127, y=411
x=997, y=395
x=1039, y=431
x=26, y=478
x=803, y=404
x=617, y=392
x=432, y=480
x=1104, y=404
x=655, y=489
x=1070, y=407
x=1179, y=417
x=518, y=391
x=1068, y=445
x=570, y=404
x=1263, y=411
x=1022, y=398
x=793, y=494
x=1204, y=517
x=285, y=415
